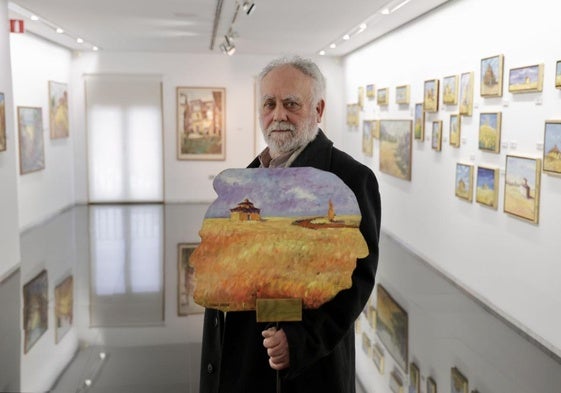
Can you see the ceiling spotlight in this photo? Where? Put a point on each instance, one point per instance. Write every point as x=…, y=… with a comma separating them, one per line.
x=34, y=17
x=346, y=37
x=59, y=30
x=228, y=47
x=248, y=7
x=79, y=40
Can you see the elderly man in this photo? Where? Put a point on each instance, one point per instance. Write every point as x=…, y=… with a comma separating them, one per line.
x=316, y=354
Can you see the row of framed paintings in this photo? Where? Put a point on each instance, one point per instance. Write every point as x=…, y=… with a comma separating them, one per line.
x=36, y=307
x=459, y=89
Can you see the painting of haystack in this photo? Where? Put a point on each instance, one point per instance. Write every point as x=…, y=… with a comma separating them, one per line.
x=395, y=148
x=277, y=233
x=522, y=187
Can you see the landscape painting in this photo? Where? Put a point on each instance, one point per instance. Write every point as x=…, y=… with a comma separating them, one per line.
x=299, y=226
x=458, y=383
x=419, y=122
x=64, y=307
x=526, y=79
x=367, y=138
x=450, y=90
x=490, y=131
x=431, y=97
x=2, y=122
x=552, y=147
x=31, y=145
x=186, y=281
x=558, y=74
x=487, y=192
x=492, y=76
x=466, y=94
x=58, y=109
x=392, y=326
x=383, y=97
x=455, y=130
x=464, y=181
x=201, y=123
x=436, y=136
x=395, y=148
x=522, y=187
x=35, y=309
x=431, y=385
x=370, y=91
x=414, y=379
x=402, y=94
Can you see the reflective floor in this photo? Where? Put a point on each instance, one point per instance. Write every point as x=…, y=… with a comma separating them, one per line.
x=107, y=310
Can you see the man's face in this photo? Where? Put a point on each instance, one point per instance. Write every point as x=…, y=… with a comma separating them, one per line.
x=288, y=115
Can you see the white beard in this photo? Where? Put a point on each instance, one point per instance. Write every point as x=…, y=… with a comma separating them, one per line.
x=285, y=142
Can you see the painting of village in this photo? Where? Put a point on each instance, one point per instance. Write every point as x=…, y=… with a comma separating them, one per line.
x=201, y=123
x=552, y=147
x=395, y=148
x=522, y=187
x=277, y=233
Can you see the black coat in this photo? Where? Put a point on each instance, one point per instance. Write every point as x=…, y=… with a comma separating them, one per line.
x=322, y=349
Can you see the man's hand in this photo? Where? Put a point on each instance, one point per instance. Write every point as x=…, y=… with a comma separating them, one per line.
x=277, y=348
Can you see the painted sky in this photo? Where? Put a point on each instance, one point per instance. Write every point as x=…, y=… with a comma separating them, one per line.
x=486, y=177
x=282, y=192
x=552, y=136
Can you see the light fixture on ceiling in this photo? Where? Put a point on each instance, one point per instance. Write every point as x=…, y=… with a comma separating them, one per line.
x=393, y=6
x=228, y=47
x=248, y=7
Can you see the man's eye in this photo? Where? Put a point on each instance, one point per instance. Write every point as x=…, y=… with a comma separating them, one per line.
x=269, y=105
x=291, y=105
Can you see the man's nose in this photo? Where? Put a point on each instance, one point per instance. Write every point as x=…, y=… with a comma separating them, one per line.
x=279, y=114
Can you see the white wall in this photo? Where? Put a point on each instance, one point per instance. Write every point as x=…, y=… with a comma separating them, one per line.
x=510, y=264
x=192, y=180
x=45, y=192
x=9, y=234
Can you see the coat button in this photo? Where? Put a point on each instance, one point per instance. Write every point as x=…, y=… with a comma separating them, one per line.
x=215, y=321
x=210, y=368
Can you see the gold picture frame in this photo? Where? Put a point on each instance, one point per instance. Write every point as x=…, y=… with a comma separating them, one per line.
x=458, y=382
x=487, y=186
x=378, y=357
x=455, y=130
x=551, y=147
x=414, y=378
x=466, y=93
x=436, y=135
x=396, y=382
x=558, y=74
x=370, y=91
x=490, y=131
x=522, y=187
x=431, y=385
x=528, y=79
x=383, y=96
x=201, y=123
x=492, y=76
x=31, y=143
x=402, y=94
x=450, y=90
x=419, y=122
x=464, y=181
x=431, y=95
x=58, y=110
x=395, y=148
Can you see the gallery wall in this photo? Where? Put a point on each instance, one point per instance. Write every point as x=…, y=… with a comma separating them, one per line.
x=508, y=263
x=9, y=226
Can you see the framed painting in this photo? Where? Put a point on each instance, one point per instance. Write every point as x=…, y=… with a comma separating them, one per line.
x=436, y=136
x=360, y=97
x=185, y=281
x=431, y=385
x=419, y=122
x=353, y=115
x=371, y=316
x=201, y=123
x=458, y=383
x=370, y=91
x=450, y=90
x=378, y=357
x=492, y=76
x=2, y=122
x=383, y=96
x=487, y=187
x=522, y=187
x=35, y=309
x=392, y=326
x=396, y=382
x=558, y=74
x=466, y=93
x=58, y=109
x=455, y=130
x=490, y=131
x=526, y=79
x=375, y=129
x=395, y=148
x=402, y=94
x=367, y=139
x=414, y=379
x=464, y=181
x=552, y=147
x=31, y=144
x=64, y=307
x=366, y=344
x=431, y=89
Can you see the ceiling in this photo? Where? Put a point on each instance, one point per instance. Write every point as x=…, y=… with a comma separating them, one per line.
x=198, y=26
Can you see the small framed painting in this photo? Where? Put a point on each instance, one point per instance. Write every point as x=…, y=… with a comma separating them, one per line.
x=31, y=144
x=383, y=97
x=35, y=309
x=430, y=103
x=466, y=93
x=492, y=76
x=419, y=122
x=464, y=181
x=431, y=385
x=2, y=123
x=371, y=316
x=455, y=130
x=366, y=344
x=487, y=191
x=375, y=129
x=353, y=115
x=526, y=79
x=522, y=187
x=395, y=148
x=64, y=307
x=558, y=74
x=378, y=357
x=370, y=91
x=201, y=123
x=552, y=147
x=367, y=140
x=450, y=90
x=414, y=379
x=396, y=382
x=402, y=94
x=490, y=131
x=458, y=383
x=360, y=97
x=185, y=281
x=436, y=138
x=58, y=109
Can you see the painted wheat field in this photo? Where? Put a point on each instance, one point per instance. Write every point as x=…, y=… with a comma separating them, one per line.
x=273, y=258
